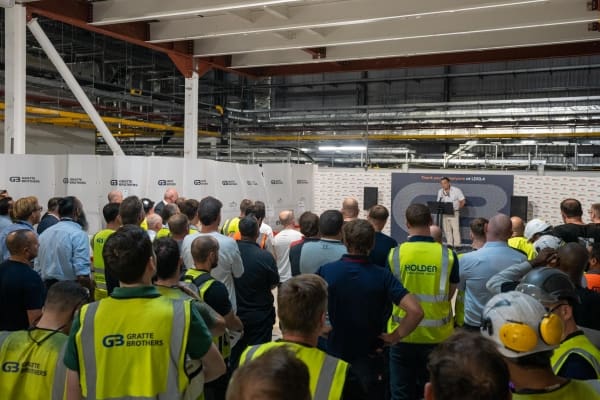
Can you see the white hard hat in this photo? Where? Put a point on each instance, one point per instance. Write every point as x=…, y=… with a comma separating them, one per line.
x=547, y=241
x=520, y=325
x=534, y=226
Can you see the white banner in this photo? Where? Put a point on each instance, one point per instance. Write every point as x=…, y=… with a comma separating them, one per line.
x=201, y=180
x=163, y=173
x=278, y=179
x=77, y=175
x=91, y=178
x=25, y=175
x=302, y=188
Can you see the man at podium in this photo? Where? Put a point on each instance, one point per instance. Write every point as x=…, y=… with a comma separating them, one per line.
x=451, y=194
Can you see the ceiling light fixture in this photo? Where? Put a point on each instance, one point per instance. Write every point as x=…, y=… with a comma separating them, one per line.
x=342, y=148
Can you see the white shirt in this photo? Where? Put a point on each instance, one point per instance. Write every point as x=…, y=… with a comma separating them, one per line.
x=281, y=247
x=267, y=230
x=454, y=195
x=230, y=261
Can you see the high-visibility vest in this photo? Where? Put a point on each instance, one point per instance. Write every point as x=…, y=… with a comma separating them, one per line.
x=261, y=241
x=593, y=281
x=133, y=348
x=203, y=281
x=424, y=269
x=144, y=224
x=230, y=226
x=165, y=232
x=579, y=345
x=327, y=373
x=98, y=242
x=31, y=365
x=574, y=389
x=520, y=243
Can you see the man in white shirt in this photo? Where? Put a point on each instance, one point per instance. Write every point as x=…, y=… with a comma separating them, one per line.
x=281, y=244
x=451, y=194
x=230, y=261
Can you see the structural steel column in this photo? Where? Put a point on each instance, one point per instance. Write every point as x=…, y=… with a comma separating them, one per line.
x=70, y=80
x=14, y=79
x=190, y=135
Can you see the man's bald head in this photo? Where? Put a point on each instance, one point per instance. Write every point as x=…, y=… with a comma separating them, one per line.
x=286, y=218
x=572, y=260
x=436, y=233
x=171, y=195
x=350, y=208
x=499, y=229
x=22, y=243
x=518, y=226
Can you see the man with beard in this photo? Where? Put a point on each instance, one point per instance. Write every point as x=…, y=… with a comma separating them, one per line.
x=64, y=253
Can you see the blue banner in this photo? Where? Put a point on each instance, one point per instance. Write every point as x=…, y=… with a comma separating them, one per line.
x=485, y=195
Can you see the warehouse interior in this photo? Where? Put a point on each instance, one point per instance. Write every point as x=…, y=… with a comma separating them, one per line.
x=349, y=83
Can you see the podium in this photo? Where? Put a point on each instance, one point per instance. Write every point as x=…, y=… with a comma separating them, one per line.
x=440, y=208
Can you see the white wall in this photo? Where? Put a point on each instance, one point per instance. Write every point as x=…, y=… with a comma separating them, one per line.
x=544, y=192
x=49, y=139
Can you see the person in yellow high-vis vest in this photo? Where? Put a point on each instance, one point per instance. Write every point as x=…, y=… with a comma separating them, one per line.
x=525, y=334
x=429, y=270
x=205, y=252
x=576, y=357
x=133, y=344
x=302, y=304
x=230, y=226
x=110, y=212
x=32, y=359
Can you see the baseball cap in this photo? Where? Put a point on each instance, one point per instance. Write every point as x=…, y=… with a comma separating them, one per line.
x=547, y=241
x=534, y=226
x=548, y=285
x=513, y=320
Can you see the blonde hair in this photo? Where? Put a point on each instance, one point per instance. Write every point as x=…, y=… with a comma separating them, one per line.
x=24, y=207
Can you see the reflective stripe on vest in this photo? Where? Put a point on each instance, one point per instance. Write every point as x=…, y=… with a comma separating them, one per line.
x=579, y=345
x=222, y=342
x=437, y=324
x=176, y=343
x=327, y=378
x=38, y=356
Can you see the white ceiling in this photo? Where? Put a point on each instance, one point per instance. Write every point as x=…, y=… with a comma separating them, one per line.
x=259, y=33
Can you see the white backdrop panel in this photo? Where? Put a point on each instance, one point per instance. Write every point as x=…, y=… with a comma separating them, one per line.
x=26, y=175
x=198, y=182
x=253, y=183
x=229, y=187
x=302, y=188
x=77, y=175
x=278, y=178
x=163, y=173
x=127, y=174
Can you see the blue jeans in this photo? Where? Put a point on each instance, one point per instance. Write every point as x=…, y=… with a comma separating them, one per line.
x=408, y=370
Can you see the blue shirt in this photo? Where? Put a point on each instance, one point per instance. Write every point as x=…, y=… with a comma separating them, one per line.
x=5, y=221
x=4, y=253
x=320, y=252
x=476, y=268
x=64, y=252
x=358, y=294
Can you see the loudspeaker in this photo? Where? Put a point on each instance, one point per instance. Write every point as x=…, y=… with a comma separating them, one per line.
x=518, y=207
x=370, y=197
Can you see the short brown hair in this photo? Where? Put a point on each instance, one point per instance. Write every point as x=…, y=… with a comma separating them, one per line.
x=276, y=374
x=202, y=247
x=478, y=227
x=418, y=215
x=301, y=301
x=309, y=224
x=359, y=236
x=457, y=372
x=379, y=213
x=179, y=224
x=244, y=204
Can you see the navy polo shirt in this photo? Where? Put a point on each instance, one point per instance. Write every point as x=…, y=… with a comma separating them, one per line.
x=358, y=295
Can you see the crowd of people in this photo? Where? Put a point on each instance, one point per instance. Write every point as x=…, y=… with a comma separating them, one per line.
x=169, y=301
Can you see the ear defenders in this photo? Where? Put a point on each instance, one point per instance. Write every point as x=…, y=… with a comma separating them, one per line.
x=521, y=338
